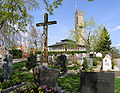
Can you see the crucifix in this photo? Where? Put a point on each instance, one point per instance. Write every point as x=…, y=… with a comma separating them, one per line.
x=45, y=33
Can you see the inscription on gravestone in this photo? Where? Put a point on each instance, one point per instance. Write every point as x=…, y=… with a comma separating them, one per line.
x=97, y=82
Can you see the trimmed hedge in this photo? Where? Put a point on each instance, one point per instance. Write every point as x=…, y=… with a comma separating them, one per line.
x=16, y=53
x=59, y=52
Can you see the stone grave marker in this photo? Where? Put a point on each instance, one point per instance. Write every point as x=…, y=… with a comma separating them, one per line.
x=31, y=61
x=107, y=63
x=80, y=59
x=38, y=57
x=90, y=62
x=61, y=60
x=46, y=76
x=99, y=55
x=50, y=59
x=69, y=59
x=7, y=66
x=97, y=82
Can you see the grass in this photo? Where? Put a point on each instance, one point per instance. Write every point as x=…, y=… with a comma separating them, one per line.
x=117, y=85
x=70, y=83
x=19, y=64
x=73, y=68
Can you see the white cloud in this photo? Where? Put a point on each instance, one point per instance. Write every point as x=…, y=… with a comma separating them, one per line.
x=118, y=45
x=116, y=28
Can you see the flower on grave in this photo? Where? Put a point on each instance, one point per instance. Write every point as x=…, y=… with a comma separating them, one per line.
x=83, y=70
x=48, y=90
x=39, y=88
x=32, y=91
x=26, y=91
x=88, y=70
x=108, y=70
x=0, y=89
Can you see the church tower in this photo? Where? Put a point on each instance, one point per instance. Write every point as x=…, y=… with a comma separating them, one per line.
x=79, y=23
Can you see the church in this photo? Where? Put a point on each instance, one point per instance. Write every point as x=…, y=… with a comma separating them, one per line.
x=70, y=45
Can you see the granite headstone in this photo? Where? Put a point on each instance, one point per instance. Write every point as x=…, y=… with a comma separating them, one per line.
x=7, y=66
x=46, y=76
x=97, y=82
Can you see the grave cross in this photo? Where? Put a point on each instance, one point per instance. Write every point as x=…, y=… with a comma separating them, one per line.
x=45, y=32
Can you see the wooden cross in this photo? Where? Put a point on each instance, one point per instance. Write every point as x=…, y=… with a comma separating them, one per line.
x=45, y=29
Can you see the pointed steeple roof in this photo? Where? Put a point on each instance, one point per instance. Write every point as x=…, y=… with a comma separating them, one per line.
x=77, y=11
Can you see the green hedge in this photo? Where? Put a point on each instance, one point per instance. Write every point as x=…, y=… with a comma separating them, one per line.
x=59, y=52
x=16, y=53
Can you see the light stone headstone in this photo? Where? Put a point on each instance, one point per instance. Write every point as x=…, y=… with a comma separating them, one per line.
x=7, y=66
x=38, y=57
x=50, y=60
x=107, y=63
x=99, y=55
x=80, y=59
x=69, y=59
x=90, y=62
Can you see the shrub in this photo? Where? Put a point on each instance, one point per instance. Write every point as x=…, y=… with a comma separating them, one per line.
x=16, y=53
x=1, y=78
x=95, y=62
x=85, y=64
x=31, y=63
x=59, y=52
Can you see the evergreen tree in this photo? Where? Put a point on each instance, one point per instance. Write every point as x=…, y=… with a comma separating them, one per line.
x=104, y=42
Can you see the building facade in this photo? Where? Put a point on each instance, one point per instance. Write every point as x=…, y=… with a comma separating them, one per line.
x=66, y=45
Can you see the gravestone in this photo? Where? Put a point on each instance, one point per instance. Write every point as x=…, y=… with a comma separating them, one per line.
x=46, y=76
x=107, y=63
x=7, y=66
x=90, y=62
x=99, y=55
x=69, y=59
x=80, y=59
x=61, y=60
x=38, y=57
x=50, y=59
x=97, y=82
x=31, y=61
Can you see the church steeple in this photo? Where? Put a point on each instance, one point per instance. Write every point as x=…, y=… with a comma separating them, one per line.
x=79, y=22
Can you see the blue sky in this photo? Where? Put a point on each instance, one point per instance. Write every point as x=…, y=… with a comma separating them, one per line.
x=106, y=12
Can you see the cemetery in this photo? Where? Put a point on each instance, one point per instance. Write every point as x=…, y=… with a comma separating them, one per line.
x=85, y=62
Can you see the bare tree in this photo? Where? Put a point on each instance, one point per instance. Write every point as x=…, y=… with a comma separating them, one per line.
x=35, y=38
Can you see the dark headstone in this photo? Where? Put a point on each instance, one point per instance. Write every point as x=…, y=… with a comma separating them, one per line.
x=46, y=76
x=97, y=82
x=31, y=61
x=7, y=66
x=61, y=60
